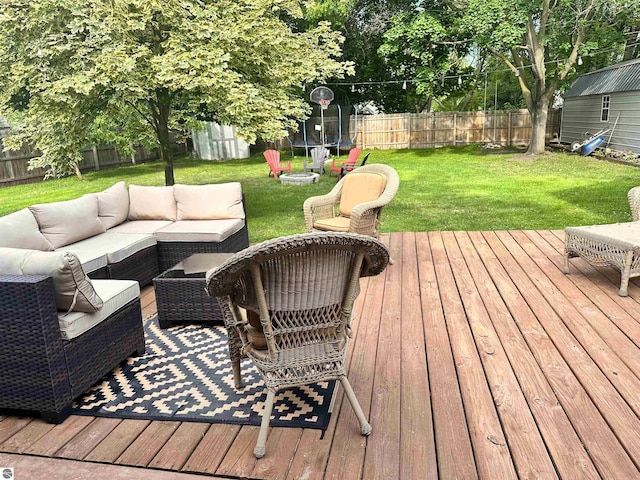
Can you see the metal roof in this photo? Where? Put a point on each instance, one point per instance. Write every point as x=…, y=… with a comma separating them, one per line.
x=622, y=77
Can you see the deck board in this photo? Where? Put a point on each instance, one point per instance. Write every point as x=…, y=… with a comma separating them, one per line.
x=473, y=356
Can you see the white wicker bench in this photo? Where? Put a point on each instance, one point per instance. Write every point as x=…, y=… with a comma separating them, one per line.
x=616, y=245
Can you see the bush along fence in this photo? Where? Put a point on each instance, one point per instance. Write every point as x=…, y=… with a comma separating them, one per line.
x=439, y=129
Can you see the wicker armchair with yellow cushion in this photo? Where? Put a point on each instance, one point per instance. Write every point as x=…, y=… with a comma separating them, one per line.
x=355, y=203
x=299, y=293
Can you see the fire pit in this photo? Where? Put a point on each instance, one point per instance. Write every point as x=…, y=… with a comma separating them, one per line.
x=299, y=178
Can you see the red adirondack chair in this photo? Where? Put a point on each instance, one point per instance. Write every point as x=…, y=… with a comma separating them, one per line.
x=337, y=166
x=273, y=160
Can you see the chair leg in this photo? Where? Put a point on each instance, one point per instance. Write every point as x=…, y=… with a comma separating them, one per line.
x=237, y=377
x=365, y=428
x=566, y=262
x=626, y=273
x=264, y=426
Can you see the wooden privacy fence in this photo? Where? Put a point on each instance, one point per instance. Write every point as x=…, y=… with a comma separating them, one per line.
x=14, y=165
x=439, y=129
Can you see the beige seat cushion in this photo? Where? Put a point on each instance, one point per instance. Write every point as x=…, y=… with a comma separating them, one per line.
x=89, y=259
x=625, y=236
x=73, y=289
x=199, y=230
x=337, y=224
x=113, y=205
x=115, y=294
x=359, y=188
x=20, y=230
x=140, y=226
x=151, y=203
x=115, y=246
x=209, y=202
x=63, y=223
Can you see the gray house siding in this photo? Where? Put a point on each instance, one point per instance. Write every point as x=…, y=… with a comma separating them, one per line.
x=582, y=114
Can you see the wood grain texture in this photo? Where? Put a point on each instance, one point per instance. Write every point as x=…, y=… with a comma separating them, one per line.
x=118, y=440
x=493, y=458
x=453, y=444
x=473, y=356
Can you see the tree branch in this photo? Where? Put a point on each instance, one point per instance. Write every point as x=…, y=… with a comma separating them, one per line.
x=144, y=117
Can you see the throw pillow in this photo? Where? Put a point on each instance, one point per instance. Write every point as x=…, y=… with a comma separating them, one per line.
x=63, y=223
x=151, y=203
x=20, y=230
x=113, y=205
x=73, y=289
x=209, y=202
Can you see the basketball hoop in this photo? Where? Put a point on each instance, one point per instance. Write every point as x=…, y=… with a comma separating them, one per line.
x=322, y=96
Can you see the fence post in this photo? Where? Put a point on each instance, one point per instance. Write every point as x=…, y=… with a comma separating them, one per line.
x=364, y=134
x=455, y=117
x=96, y=162
x=494, y=125
x=509, y=140
x=410, y=116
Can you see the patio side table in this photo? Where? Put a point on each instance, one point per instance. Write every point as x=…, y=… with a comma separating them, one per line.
x=181, y=294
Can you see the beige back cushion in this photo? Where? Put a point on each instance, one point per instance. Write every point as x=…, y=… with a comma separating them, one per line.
x=359, y=188
x=209, y=202
x=113, y=205
x=151, y=203
x=67, y=222
x=73, y=289
x=20, y=230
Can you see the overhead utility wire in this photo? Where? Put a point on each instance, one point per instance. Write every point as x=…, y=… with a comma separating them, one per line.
x=404, y=82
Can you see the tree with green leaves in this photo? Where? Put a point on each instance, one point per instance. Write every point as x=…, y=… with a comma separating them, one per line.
x=425, y=47
x=540, y=41
x=74, y=70
x=363, y=23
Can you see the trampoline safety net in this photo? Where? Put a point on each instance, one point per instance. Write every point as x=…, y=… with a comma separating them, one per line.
x=337, y=131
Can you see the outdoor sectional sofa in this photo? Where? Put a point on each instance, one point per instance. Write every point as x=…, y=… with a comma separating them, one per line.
x=70, y=278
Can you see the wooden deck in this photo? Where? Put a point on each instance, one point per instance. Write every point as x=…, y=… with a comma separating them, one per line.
x=473, y=355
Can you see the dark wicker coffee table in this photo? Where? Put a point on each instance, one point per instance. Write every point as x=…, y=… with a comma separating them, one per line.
x=181, y=294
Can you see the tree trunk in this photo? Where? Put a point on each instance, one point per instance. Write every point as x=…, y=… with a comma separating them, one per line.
x=165, y=144
x=538, y=127
x=76, y=168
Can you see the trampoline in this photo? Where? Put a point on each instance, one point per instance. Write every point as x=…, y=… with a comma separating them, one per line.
x=337, y=129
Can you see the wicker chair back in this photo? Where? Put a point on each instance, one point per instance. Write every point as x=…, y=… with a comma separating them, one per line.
x=303, y=287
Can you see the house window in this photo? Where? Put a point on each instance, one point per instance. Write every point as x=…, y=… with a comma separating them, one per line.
x=604, y=113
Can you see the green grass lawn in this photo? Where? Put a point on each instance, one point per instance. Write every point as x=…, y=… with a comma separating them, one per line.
x=462, y=188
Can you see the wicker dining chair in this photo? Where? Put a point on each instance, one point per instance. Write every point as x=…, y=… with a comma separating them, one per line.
x=302, y=288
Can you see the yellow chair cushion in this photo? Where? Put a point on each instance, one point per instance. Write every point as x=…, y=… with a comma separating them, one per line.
x=256, y=337
x=359, y=188
x=254, y=330
x=337, y=224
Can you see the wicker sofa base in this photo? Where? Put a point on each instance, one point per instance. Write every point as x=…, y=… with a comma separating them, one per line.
x=594, y=247
x=184, y=300
x=171, y=253
x=40, y=371
x=99, y=274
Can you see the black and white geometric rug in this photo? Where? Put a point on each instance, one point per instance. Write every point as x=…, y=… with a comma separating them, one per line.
x=186, y=375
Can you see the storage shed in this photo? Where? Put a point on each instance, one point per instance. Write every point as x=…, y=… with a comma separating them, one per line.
x=218, y=142
x=598, y=99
